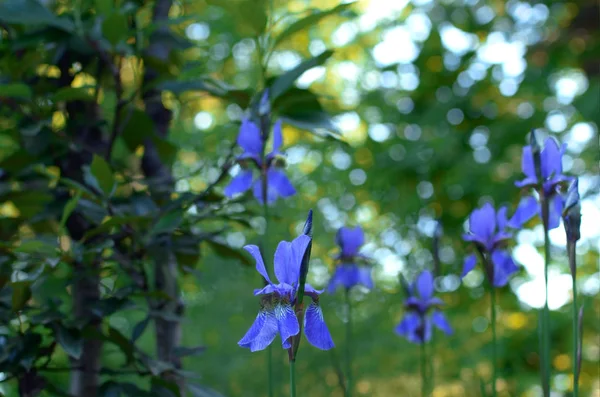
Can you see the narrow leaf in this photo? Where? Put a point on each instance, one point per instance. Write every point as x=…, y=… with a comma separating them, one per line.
x=286, y=80
x=103, y=174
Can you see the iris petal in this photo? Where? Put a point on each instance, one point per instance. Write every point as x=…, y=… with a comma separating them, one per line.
x=249, y=137
x=440, y=321
x=350, y=240
x=504, y=267
x=316, y=330
x=239, y=184
x=286, y=321
x=425, y=285
x=528, y=207
x=469, y=264
x=260, y=264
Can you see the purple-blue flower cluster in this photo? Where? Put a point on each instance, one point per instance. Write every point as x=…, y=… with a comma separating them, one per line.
x=277, y=314
x=422, y=311
x=488, y=231
x=349, y=272
x=269, y=167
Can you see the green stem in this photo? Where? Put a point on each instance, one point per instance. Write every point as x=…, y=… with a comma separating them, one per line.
x=494, y=341
x=423, y=370
x=572, y=263
x=266, y=254
x=349, y=345
x=546, y=311
x=292, y=378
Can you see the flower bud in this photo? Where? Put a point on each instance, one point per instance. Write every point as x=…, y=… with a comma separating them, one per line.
x=536, y=153
x=572, y=212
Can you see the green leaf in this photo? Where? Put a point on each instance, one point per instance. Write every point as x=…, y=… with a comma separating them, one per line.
x=73, y=94
x=201, y=391
x=226, y=251
x=70, y=340
x=210, y=85
x=104, y=7
x=15, y=90
x=166, y=150
x=36, y=247
x=301, y=108
x=309, y=21
x=284, y=82
x=21, y=292
x=103, y=174
x=115, y=28
x=139, y=329
x=69, y=208
x=116, y=337
x=139, y=126
x=32, y=13
x=167, y=223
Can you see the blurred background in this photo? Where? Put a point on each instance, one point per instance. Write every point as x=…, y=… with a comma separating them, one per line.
x=434, y=101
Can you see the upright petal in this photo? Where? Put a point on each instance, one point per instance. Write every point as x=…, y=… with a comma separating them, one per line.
x=277, y=137
x=261, y=333
x=528, y=207
x=551, y=158
x=260, y=264
x=440, y=321
x=556, y=208
x=315, y=328
x=288, y=258
x=504, y=267
x=249, y=138
x=425, y=285
x=501, y=219
x=279, y=183
x=350, y=240
x=482, y=222
x=240, y=183
x=286, y=321
x=527, y=164
x=469, y=264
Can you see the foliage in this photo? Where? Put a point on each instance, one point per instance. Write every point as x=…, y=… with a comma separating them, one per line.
x=118, y=122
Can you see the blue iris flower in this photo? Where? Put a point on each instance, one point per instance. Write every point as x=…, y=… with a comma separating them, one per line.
x=252, y=159
x=488, y=230
x=277, y=315
x=422, y=311
x=349, y=273
x=551, y=179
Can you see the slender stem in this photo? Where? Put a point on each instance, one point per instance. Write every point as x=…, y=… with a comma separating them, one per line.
x=494, y=341
x=266, y=253
x=338, y=371
x=546, y=311
x=423, y=370
x=349, y=345
x=572, y=264
x=292, y=378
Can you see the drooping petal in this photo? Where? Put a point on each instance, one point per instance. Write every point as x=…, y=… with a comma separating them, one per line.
x=311, y=291
x=279, y=183
x=339, y=279
x=482, y=222
x=504, y=267
x=409, y=324
x=425, y=285
x=528, y=207
x=556, y=208
x=469, y=264
x=427, y=331
x=527, y=164
x=287, y=322
x=364, y=277
x=551, y=158
x=261, y=333
x=350, y=240
x=257, y=190
x=277, y=137
x=269, y=289
x=260, y=264
x=440, y=321
x=315, y=328
x=288, y=258
x=249, y=138
x=240, y=183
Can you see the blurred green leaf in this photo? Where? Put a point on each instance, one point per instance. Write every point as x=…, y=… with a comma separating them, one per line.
x=181, y=351
x=15, y=90
x=114, y=28
x=308, y=21
x=69, y=208
x=70, y=340
x=32, y=13
x=36, y=247
x=73, y=94
x=286, y=81
x=226, y=251
x=21, y=292
x=167, y=223
x=103, y=174
x=139, y=329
